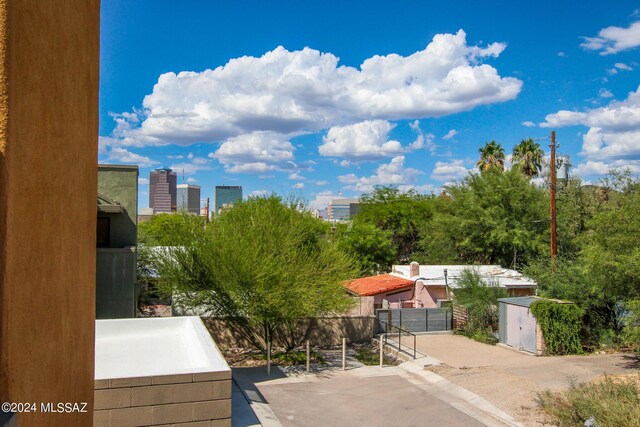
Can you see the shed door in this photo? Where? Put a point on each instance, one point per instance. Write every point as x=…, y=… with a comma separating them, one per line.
x=528, y=331
x=521, y=328
x=513, y=326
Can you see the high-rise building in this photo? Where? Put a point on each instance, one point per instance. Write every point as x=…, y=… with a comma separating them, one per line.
x=225, y=196
x=162, y=190
x=188, y=198
x=343, y=209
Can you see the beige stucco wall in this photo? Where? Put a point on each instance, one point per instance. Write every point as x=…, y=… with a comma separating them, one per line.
x=362, y=307
x=321, y=331
x=49, y=66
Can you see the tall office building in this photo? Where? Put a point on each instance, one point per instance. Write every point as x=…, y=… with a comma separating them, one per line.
x=162, y=190
x=225, y=196
x=188, y=198
x=343, y=209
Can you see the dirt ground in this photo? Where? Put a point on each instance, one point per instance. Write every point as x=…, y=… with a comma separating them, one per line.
x=511, y=380
x=511, y=393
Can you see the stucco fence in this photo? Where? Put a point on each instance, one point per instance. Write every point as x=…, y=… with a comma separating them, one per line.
x=358, y=325
x=320, y=331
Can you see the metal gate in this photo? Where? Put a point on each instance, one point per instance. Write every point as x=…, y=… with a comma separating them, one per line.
x=415, y=319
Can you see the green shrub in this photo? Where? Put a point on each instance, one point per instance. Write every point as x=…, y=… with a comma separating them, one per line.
x=480, y=299
x=288, y=358
x=371, y=356
x=631, y=330
x=611, y=403
x=560, y=325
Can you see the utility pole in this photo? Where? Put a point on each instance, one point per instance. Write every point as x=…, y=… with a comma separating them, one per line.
x=552, y=193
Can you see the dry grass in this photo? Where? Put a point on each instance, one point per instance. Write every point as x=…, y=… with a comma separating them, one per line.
x=610, y=401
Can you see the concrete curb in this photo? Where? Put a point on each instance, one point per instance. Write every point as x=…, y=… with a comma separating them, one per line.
x=461, y=394
x=258, y=404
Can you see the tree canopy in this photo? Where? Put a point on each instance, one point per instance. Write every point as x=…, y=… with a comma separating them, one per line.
x=400, y=214
x=527, y=156
x=489, y=218
x=263, y=266
x=611, y=250
x=491, y=157
x=371, y=246
x=168, y=229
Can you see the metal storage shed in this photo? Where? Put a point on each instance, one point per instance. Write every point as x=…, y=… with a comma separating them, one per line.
x=518, y=328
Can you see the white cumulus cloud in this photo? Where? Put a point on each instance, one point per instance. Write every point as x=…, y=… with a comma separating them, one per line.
x=613, y=39
x=365, y=140
x=599, y=168
x=281, y=94
x=296, y=176
x=392, y=173
x=255, y=167
x=605, y=93
x=256, y=146
x=451, y=171
x=259, y=193
x=322, y=199
x=450, y=134
x=614, y=130
x=122, y=155
x=622, y=66
x=194, y=165
x=528, y=124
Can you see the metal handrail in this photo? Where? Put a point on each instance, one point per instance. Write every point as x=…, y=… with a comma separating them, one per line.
x=400, y=331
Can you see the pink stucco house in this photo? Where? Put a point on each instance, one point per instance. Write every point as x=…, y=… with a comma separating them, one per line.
x=427, y=286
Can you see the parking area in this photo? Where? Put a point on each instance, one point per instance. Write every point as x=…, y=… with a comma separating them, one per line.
x=510, y=379
x=548, y=372
x=363, y=395
x=356, y=401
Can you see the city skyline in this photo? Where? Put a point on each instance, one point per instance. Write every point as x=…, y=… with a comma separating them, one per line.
x=306, y=99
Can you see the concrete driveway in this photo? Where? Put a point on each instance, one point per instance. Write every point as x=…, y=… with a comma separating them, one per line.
x=405, y=395
x=510, y=379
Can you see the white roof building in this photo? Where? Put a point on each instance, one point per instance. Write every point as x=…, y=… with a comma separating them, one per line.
x=434, y=275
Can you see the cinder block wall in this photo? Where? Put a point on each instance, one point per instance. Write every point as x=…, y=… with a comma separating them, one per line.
x=202, y=399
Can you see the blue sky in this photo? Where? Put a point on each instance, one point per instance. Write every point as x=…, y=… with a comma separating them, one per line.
x=331, y=98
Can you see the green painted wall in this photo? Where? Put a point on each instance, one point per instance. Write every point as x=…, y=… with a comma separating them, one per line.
x=116, y=291
x=120, y=183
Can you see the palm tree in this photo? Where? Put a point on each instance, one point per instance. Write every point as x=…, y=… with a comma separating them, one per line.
x=528, y=155
x=491, y=156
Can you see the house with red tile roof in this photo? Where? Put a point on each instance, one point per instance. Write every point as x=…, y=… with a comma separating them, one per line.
x=427, y=286
x=383, y=287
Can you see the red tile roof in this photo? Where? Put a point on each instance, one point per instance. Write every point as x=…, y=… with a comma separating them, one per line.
x=374, y=285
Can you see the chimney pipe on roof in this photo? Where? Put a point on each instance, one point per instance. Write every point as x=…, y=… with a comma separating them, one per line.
x=414, y=269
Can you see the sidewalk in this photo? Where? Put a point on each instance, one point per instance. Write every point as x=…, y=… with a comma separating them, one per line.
x=241, y=413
